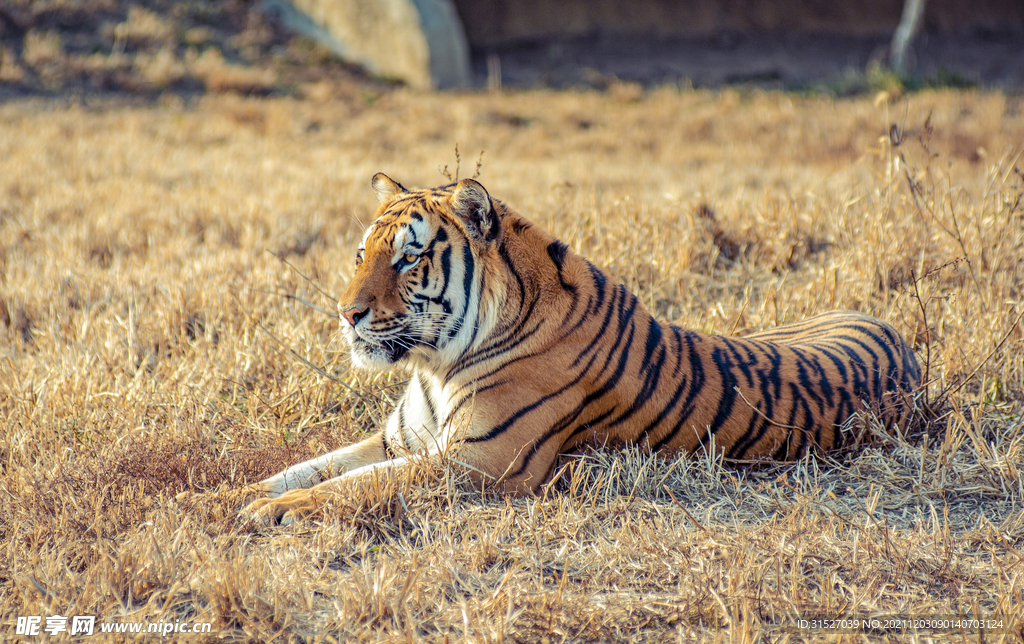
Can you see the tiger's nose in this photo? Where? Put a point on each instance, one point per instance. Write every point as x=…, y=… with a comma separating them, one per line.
x=354, y=314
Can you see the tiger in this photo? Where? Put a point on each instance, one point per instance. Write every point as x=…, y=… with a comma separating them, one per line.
x=520, y=351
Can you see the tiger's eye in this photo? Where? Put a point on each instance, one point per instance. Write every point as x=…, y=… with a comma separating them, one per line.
x=410, y=258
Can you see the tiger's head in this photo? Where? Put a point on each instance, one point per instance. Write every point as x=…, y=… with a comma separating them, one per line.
x=416, y=293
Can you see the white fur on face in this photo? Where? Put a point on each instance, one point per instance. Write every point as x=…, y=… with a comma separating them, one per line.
x=410, y=239
x=366, y=235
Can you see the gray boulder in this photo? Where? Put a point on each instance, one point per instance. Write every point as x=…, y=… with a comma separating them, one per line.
x=420, y=42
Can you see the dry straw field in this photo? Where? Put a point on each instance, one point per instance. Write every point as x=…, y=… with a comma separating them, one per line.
x=155, y=262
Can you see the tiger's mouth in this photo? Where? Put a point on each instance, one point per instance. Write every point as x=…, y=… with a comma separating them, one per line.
x=390, y=350
x=396, y=351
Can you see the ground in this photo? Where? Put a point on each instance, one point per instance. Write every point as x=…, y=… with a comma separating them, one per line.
x=151, y=336
x=158, y=257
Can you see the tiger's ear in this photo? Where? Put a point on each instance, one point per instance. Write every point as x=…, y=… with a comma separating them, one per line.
x=386, y=187
x=472, y=205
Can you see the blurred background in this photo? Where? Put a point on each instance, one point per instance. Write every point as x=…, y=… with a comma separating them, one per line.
x=273, y=47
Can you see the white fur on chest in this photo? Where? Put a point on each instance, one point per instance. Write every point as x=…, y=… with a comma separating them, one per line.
x=422, y=419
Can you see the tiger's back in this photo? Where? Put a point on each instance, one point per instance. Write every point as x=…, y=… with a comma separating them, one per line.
x=792, y=388
x=603, y=370
x=520, y=351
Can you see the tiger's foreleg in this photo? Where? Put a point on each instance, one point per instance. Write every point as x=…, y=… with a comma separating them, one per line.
x=294, y=505
x=291, y=488
x=328, y=466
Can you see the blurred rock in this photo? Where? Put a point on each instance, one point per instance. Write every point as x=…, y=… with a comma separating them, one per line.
x=420, y=42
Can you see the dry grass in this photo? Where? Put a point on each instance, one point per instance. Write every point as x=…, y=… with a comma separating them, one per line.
x=140, y=311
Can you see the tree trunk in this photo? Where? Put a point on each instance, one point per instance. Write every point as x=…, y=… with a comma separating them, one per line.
x=910, y=24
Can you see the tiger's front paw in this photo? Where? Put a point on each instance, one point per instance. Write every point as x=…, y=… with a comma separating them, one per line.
x=287, y=509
